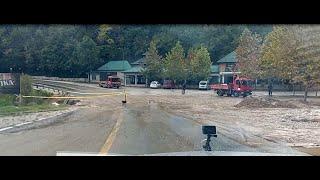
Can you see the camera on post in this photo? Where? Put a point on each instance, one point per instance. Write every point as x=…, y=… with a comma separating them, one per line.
x=210, y=131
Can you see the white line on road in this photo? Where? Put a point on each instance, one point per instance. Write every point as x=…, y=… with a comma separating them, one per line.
x=6, y=128
x=41, y=119
x=21, y=124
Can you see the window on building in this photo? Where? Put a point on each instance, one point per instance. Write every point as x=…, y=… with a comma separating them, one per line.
x=229, y=67
x=141, y=79
x=130, y=79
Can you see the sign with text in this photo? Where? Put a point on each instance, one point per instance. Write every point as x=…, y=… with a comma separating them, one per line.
x=9, y=83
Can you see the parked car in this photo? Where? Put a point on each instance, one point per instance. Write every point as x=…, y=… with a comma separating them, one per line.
x=168, y=84
x=155, y=84
x=204, y=85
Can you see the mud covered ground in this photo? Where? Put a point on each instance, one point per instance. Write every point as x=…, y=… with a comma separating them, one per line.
x=288, y=121
x=256, y=122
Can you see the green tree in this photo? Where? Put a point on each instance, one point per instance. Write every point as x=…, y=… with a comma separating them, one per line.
x=278, y=54
x=175, y=66
x=153, y=68
x=86, y=55
x=103, y=33
x=199, y=63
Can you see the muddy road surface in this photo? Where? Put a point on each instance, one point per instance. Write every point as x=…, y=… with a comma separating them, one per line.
x=152, y=121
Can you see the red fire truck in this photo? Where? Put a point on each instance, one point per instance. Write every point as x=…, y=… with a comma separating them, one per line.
x=111, y=82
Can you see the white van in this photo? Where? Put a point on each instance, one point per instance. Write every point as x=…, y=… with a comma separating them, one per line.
x=204, y=85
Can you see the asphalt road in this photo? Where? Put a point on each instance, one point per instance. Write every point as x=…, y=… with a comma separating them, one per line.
x=84, y=130
x=149, y=130
x=109, y=127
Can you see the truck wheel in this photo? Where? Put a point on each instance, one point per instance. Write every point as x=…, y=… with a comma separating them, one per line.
x=236, y=94
x=220, y=93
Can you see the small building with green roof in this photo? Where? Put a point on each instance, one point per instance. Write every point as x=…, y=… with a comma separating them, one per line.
x=131, y=73
x=109, y=69
x=226, y=67
x=134, y=76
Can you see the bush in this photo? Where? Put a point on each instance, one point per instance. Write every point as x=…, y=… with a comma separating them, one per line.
x=27, y=90
x=31, y=101
x=7, y=100
x=25, y=85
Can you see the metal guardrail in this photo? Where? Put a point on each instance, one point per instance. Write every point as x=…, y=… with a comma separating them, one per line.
x=54, y=89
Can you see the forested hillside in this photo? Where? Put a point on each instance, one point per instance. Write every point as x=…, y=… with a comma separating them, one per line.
x=73, y=50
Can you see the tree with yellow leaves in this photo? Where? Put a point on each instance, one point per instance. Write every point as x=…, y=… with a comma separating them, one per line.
x=291, y=52
x=248, y=54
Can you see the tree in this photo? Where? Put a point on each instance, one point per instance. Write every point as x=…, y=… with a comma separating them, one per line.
x=290, y=52
x=308, y=56
x=153, y=69
x=248, y=53
x=175, y=66
x=200, y=63
x=50, y=49
x=103, y=33
x=86, y=55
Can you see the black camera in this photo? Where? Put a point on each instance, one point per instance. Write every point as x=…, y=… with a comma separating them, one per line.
x=209, y=130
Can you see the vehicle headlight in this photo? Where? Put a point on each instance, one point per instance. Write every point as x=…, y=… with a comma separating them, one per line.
x=238, y=89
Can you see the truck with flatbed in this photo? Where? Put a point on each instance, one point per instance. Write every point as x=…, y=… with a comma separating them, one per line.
x=240, y=86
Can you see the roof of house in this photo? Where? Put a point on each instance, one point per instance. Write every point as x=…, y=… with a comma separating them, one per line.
x=230, y=58
x=214, y=68
x=139, y=61
x=120, y=65
x=134, y=69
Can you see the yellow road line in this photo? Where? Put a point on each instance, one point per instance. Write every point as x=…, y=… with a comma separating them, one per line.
x=107, y=145
x=72, y=92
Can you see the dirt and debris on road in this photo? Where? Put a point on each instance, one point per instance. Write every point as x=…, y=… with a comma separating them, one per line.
x=289, y=122
x=267, y=102
x=271, y=102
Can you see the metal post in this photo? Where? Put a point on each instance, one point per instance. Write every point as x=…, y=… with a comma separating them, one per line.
x=207, y=146
x=135, y=79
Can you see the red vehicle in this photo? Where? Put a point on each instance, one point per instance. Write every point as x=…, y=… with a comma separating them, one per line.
x=240, y=86
x=111, y=82
x=168, y=84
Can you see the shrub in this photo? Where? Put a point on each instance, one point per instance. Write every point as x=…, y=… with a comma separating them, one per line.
x=39, y=93
x=25, y=85
x=27, y=90
x=7, y=100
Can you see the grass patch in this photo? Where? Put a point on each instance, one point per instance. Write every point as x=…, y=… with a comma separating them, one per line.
x=20, y=110
x=9, y=104
x=7, y=100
